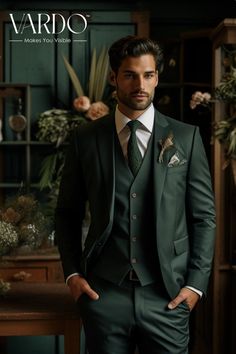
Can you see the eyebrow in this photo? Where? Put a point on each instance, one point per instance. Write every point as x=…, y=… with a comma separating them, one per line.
x=134, y=72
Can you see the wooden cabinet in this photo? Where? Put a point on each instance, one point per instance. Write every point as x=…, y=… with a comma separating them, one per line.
x=204, y=53
x=40, y=268
x=224, y=43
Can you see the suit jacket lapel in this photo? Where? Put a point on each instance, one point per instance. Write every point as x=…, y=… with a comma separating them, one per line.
x=105, y=144
x=161, y=131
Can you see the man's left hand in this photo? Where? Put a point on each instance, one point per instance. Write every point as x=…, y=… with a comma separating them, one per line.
x=185, y=295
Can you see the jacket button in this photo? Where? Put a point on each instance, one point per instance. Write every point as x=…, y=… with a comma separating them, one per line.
x=134, y=195
x=133, y=260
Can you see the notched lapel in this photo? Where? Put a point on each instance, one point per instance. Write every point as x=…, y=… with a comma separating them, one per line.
x=105, y=144
x=161, y=131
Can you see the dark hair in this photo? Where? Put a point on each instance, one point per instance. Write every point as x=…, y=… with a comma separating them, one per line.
x=133, y=46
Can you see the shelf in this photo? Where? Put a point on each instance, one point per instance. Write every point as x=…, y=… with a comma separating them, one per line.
x=24, y=143
x=197, y=84
x=10, y=185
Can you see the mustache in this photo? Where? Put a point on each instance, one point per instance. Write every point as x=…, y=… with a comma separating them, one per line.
x=138, y=92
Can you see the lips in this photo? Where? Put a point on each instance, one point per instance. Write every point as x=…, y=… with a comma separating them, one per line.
x=139, y=95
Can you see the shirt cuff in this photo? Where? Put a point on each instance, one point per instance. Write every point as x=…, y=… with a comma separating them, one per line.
x=199, y=292
x=70, y=276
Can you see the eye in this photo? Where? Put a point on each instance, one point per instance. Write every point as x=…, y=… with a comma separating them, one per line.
x=149, y=75
x=129, y=76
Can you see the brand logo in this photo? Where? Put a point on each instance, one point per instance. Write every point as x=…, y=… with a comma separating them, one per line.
x=56, y=20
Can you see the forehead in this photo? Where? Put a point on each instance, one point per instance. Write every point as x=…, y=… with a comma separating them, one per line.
x=144, y=62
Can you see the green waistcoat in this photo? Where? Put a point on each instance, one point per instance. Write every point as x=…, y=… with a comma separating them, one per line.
x=132, y=240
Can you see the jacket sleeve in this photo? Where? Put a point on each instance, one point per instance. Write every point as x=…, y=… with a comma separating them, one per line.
x=201, y=216
x=70, y=210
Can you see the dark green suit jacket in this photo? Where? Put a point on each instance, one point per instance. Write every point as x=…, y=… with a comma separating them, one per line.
x=184, y=205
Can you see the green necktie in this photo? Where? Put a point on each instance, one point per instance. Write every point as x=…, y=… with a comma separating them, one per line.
x=133, y=152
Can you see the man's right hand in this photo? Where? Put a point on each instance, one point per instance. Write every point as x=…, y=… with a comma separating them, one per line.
x=78, y=286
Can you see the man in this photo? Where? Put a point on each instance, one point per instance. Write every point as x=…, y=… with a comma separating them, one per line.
x=148, y=253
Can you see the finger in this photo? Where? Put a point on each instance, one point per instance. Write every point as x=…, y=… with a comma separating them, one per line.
x=91, y=293
x=175, y=302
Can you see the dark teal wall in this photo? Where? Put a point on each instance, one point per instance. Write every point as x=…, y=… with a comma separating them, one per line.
x=167, y=17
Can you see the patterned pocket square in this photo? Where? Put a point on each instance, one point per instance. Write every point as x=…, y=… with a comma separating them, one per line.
x=176, y=161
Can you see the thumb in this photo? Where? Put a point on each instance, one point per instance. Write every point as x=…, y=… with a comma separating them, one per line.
x=175, y=302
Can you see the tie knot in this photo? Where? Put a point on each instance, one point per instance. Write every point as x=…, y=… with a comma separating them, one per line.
x=134, y=125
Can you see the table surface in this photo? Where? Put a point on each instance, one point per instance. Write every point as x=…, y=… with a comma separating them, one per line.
x=38, y=301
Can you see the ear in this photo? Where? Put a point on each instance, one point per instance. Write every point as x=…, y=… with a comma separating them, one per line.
x=157, y=78
x=112, y=78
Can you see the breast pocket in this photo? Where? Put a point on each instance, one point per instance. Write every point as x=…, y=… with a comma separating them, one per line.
x=178, y=169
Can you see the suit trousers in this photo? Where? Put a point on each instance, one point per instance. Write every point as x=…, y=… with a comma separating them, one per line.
x=129, y=316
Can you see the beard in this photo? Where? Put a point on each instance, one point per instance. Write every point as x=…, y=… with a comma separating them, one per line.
x=132, y=102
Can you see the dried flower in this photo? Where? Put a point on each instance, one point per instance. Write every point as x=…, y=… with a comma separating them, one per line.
x=23, y=219
x=8, y=237
x=29, y=235
x=10, y=216
x=82, y=103
x=166, y=144
x=97, y=110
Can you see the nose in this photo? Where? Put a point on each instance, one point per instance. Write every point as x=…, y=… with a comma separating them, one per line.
x=140, y=82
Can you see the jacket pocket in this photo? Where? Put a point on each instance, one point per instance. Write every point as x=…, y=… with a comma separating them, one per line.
x=181, y=245
x=178, y=169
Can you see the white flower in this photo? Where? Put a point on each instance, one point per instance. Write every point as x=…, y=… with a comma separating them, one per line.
x=8, y=237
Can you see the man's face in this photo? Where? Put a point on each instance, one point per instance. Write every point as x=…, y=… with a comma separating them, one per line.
x=135, y=84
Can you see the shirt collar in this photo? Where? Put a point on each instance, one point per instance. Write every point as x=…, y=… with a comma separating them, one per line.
x=147, y=119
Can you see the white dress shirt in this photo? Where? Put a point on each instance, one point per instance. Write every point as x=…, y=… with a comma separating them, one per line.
x=143, y=133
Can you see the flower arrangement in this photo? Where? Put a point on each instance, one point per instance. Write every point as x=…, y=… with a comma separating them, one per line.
x=55, y=125
x=224, y=130
x=22, y=224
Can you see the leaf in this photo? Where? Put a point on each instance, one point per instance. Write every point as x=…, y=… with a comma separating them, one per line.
x=101, y=75
x=92, y=76
x=47, y=171
x=74, y=78
x=102, y=79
